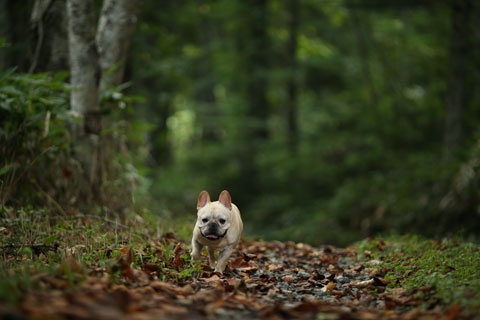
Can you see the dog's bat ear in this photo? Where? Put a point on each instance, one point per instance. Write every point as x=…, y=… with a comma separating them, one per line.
x=225, y=199
x=203, y=199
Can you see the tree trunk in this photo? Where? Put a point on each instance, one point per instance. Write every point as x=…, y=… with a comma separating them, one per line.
x=363, y=46
x=97, y=63
x=456, y=98
x=49, y=22
x=252, y=47
x=84, y=98
x=205, y=86
x=293, y=19
x=253, y=56
x=59, y=37
x=256, y=64
x=14, y=27
x=85, y=73
x=115, y=30
x=4, y=26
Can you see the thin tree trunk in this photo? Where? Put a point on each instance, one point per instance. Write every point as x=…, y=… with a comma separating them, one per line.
x=364, y=53
x=205, y=86
x=59, y=54
x=3, y=30
x=257, y=65
x=49, y=22
x=39, y=10
x=457, y=78
x=253, y=57
x=293, y=15
x=115, y=30
x=252, y=46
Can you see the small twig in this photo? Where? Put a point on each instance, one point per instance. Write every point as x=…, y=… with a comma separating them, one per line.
x=46, y=127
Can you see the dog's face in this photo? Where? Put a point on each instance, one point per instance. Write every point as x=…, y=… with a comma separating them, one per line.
x=219, y=227
x=214, y=219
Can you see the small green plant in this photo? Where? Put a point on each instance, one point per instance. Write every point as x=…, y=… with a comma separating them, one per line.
x=190, y=272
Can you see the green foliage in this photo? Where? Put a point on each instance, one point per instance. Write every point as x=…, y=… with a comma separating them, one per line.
x=449, y=266
x=370, y=99
x=339, y=138
x=126, y=180
x=33, y=135
x=38, y=166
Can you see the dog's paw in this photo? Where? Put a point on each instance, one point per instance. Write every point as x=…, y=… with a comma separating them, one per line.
x=195, y=256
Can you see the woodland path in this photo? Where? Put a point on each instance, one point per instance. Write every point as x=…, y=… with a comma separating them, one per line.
x=264, y=280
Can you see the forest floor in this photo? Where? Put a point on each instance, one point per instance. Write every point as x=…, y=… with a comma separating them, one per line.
x=97, y=269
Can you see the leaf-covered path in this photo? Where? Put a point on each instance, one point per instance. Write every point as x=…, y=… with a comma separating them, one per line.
x=265, y=280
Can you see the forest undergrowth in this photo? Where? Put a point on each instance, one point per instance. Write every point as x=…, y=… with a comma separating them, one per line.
x=82, y=267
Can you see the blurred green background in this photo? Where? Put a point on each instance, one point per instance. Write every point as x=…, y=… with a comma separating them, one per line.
x=327, y=120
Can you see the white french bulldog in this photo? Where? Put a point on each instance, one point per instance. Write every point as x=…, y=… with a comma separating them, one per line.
x=219, y=227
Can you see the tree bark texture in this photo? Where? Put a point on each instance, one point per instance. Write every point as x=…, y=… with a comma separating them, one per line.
x=98, y=55
x=84, y=97
x=84, y=68
x=49, y=22
x=115, y=30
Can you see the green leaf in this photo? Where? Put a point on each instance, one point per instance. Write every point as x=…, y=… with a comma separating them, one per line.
x=6, y=168
x=11, y=90
x=7, y=74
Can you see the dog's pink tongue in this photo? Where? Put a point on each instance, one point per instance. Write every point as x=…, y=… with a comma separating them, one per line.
x=212, y=236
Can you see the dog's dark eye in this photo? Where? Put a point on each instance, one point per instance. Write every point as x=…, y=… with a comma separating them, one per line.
x=204, y=220
x=222, y=221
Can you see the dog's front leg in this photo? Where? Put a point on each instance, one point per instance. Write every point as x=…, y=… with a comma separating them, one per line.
x=223, y=258
x=196, y=250
x=211, y=257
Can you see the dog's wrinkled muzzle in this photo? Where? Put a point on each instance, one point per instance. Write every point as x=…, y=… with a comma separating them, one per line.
x=213, y=236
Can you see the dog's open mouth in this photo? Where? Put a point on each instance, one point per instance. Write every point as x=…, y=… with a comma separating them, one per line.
x=212, y=236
